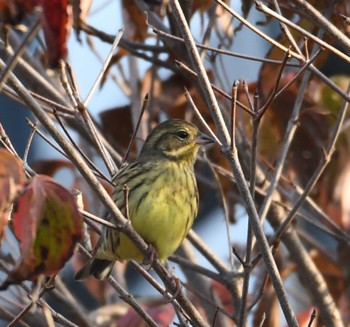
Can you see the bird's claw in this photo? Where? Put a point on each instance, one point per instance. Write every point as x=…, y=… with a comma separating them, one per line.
x=151, y=257
x=178, y=290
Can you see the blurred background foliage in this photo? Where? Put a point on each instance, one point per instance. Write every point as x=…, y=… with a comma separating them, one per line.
x=290, y=96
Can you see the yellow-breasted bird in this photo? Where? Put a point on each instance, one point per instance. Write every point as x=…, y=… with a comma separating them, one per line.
x=162, y=197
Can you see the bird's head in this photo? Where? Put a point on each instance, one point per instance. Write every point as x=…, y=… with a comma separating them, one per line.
x=175, y=140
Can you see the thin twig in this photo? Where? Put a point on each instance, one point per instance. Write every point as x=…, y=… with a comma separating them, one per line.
x=48, y=316
x=11, y=64
x=221, y=74
x=104, y=67
x=323, y=22
x=42, y=82
x=270, y=263
x=99, y=220
x=209, y=301
x=38, y=301
x=88, y=160
x=312, y=317
x=261, y=7
x=133, y=137
x=168, y=297
x=126, y=201
x=306, y=41
x=299, y=72
x=71, y=89
x=63, y=294
x=312, y=68
x=201, y=72
x=327, y=154
x=232, y=284
x=215, y=316
x=53, y=104
x=125, y=295
x=286, y=31
x=8, y=314
x=345, y=18
x=272, y=96
x=263, y=318
x=129, y=46
x=119, y=79
x=233, y=114
x=260, y=291
x=207, y=252
x=215, y=88
x=200, y=117
x=223, y=202
x=288, y=137
x=200, y=270
x=258, y=32
x=221, y=51
x=247, y=264
x=338, y=232
x=6, y=141
x=101, y=193
x=29, y=142
x=247, y=94
x=54, y=146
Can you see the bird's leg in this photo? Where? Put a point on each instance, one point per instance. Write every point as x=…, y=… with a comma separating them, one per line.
x=151, y=257
x=177, y=281
x=178, y=290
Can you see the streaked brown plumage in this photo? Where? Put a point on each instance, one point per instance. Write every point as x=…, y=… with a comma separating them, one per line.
x=162, y=200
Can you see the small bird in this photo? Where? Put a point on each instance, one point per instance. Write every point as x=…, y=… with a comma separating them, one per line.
x=162, y=197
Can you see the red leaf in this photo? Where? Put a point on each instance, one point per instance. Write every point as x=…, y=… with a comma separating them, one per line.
x=56, y=26
x=121, y=135
x=51, y=166
x=224, y=295
x=55, y=20
x=162, y=314
x=304, y=318
x=12, y=179
x=48, y=225
x=13, y=11
x=135, y=20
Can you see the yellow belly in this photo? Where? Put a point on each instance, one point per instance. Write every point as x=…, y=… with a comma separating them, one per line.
x=162, y=213
x=163, y=218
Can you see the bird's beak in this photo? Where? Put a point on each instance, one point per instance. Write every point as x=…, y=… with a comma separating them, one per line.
x=203, y=139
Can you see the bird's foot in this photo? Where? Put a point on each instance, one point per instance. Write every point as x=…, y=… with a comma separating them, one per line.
x=178, y=289
x=151, y=257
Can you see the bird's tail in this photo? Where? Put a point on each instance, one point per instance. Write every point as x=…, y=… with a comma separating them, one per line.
x=99, y=268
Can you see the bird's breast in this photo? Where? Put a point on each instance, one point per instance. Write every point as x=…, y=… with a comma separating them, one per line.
x=163, y=210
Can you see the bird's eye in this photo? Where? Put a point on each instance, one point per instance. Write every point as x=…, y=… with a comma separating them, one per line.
x=182, y=135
